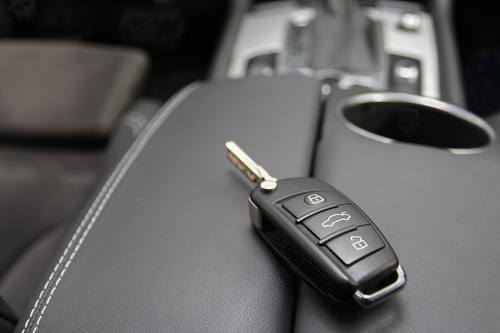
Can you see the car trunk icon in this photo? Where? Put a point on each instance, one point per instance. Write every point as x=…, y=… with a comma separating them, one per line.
x=335, y=218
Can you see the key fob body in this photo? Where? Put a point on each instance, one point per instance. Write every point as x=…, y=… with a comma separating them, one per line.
x=327, y=240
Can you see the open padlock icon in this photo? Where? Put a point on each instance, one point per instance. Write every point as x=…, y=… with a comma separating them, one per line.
x=359, y=243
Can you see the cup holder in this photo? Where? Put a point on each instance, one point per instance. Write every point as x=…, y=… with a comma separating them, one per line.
x=398, y=117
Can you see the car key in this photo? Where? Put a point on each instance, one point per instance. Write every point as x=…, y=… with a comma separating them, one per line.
x=321, y=235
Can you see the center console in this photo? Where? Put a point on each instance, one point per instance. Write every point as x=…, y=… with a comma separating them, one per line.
x=388, y=45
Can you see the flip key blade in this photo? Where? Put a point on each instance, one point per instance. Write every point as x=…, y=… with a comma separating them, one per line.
x=256, y=173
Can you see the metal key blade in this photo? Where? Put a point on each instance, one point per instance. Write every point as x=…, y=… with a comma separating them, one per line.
x=239, y=158
x=253, y=171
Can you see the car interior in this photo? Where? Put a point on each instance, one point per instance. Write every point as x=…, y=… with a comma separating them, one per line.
x=121, y=209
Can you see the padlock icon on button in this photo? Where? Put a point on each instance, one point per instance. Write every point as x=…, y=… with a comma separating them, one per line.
x=359, y=243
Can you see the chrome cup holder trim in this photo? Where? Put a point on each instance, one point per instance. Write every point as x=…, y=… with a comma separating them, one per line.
x=420, y=100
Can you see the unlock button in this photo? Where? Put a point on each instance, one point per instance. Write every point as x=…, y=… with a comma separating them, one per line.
x=355, y=245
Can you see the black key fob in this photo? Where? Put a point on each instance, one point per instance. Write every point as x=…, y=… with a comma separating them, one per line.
x=322, y=235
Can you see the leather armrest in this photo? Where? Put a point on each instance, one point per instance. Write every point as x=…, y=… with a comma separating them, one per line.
x=167, y=244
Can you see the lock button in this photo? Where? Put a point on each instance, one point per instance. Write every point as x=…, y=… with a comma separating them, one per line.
x=304, y=205
x=356, y=245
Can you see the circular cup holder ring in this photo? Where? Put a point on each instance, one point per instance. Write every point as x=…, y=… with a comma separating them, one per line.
x=399, y=117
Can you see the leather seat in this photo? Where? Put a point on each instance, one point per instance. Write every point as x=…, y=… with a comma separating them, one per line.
x=60, y=102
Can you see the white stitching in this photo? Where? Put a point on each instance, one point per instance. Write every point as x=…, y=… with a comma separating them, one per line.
x=85, y=219
x=112, y=181
x=133, y=151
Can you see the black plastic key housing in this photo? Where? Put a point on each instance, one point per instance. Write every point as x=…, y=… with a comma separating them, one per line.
x=327, y=240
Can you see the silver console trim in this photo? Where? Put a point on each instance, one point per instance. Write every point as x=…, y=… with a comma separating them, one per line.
x=425, y=101
x=264, y=32
x=420, y=44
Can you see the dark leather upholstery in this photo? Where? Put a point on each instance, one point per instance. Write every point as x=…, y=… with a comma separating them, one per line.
x=58, y=103
x=172, y=249
x=53, y=178
x=8, y=319
x=21, y=280
x=441, y=215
